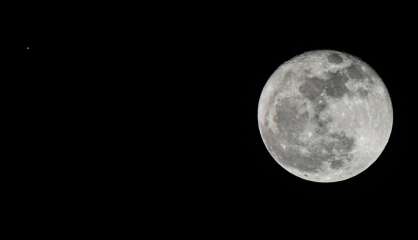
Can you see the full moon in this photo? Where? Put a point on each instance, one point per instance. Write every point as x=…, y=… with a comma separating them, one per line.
x=325, y=116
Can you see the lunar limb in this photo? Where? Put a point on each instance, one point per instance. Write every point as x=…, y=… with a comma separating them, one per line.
x=325, y=116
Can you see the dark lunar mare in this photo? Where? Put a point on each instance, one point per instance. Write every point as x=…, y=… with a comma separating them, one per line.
x=312, y=88
x=335, y=85
x=291, y=122
x=355, y=71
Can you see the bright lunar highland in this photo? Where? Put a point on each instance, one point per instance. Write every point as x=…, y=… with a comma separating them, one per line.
x=325, y=116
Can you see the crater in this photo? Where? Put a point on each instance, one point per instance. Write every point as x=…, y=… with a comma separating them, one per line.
x=362, y=92
x=370, y=81
x=322, y=127
x=336, y=164
x=334, y=58
x=320, y=105
x=341, y=145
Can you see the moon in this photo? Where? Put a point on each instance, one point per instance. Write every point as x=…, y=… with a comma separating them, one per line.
x=325, y=116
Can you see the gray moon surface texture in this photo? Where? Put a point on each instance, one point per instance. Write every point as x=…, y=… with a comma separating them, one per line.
x=325, y=116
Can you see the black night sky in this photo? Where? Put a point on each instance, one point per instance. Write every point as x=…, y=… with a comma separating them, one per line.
x=115, y=106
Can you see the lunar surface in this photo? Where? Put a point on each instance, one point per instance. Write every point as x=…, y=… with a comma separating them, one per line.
x=325, y=116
